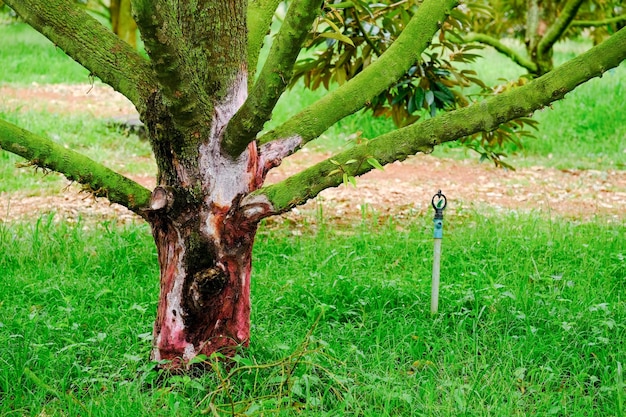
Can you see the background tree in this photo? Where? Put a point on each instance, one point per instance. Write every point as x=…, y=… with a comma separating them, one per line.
x=540, y=24
x=122, y=21
x=205, y=111
x=118, y=13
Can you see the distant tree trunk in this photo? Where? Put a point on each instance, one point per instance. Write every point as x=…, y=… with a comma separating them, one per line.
x=122, y=21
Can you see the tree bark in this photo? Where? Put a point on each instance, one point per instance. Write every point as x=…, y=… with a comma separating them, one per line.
x=204, y=252
x=204, y=249
x=198, y=51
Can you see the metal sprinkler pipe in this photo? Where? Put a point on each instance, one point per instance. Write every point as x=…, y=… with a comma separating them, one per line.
x=439, y=203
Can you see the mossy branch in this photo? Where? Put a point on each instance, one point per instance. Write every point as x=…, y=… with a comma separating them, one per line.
x=533, y=17
x=273, y=79
x=422, y=137
x=46, y=154
x=354, y=94
x=92, y=45
x=510, y=53
x=598, y=23
x=164, y=44
x=260, y=14
x=560, y=25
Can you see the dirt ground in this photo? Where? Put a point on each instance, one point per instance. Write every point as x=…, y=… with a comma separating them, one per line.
x=403, y=189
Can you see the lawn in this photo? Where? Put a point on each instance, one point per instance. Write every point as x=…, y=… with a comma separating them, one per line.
x=532, y=314
x=531, y=322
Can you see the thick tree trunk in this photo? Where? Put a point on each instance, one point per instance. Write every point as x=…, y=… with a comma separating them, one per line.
x=204, y=245
x=204, y=242
x=204, y=250
x=204, y=303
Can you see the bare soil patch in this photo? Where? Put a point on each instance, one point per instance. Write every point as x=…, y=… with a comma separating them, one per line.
x=403, y=189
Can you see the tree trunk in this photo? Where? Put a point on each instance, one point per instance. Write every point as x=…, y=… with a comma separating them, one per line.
x=204, y=302
x=204, y=242
x=204, y=251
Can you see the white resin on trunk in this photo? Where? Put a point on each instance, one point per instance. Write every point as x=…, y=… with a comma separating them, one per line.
x=224, y=178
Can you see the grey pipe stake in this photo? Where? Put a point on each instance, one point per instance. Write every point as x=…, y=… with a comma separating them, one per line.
x=439, y=203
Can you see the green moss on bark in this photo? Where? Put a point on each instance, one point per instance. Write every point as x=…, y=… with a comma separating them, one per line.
x=259, y=19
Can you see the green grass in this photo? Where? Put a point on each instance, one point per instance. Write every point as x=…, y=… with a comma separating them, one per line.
x=531, y=322
x=587, y=129
x=28, y=57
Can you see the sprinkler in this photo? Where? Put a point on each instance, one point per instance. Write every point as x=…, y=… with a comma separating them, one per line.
x=439, y=203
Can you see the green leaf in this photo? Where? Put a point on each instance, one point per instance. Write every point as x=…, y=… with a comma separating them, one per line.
x=374, y=163
x=430, y=97
x=402, y=92
x=433, y=110
x=411, y=107
x=418, y=97
x=337, y=35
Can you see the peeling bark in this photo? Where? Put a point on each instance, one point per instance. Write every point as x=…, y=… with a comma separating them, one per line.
x=204, y=306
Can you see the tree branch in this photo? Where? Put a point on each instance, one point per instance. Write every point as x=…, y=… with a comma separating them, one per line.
x=559, y=26
x=533, y=17
x=273, y=79
x=354, y=94
x=596, y=23
x=92, y=45
x=422, y=137
x=260, y=14
x=196, y=58
x=100, y=180
x=503, y=49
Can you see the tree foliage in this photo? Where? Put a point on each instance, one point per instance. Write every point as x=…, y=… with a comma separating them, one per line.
x=347, y=37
